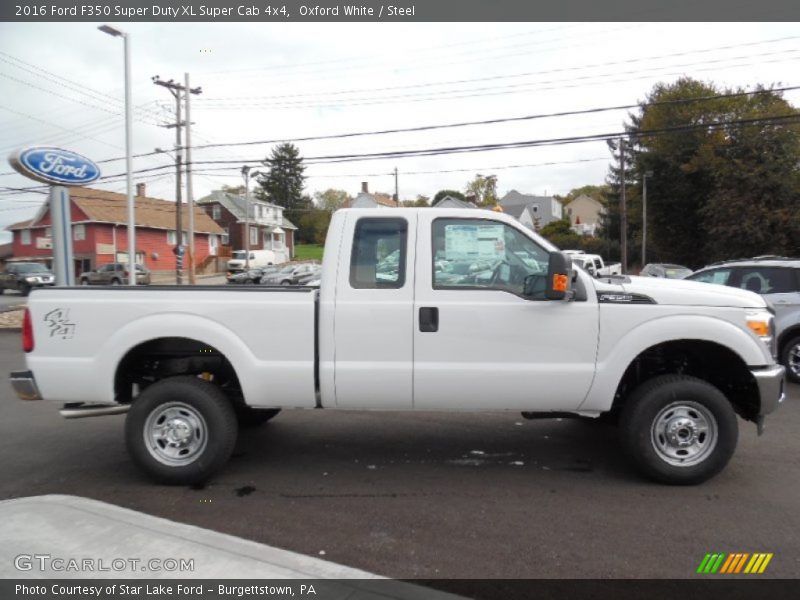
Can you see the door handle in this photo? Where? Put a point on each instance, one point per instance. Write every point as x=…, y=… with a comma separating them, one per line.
x=428, y=319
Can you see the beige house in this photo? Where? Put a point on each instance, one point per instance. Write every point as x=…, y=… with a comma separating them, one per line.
x=584, y=214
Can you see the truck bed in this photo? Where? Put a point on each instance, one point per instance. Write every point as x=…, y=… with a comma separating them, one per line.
x=83, y=334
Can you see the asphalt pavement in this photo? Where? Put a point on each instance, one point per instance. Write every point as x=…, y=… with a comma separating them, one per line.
x=435, y=495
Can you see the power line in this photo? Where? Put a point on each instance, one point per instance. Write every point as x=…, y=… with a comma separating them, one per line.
x=510, y=76
x=333, y=159
x=518, y=88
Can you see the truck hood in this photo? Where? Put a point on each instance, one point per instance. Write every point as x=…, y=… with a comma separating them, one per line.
x=681, y=292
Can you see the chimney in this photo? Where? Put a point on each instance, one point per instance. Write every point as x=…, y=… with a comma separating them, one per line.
x=364, y=187
x=140, y=189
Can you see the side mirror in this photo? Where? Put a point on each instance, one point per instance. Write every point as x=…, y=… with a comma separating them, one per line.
x=559, y=271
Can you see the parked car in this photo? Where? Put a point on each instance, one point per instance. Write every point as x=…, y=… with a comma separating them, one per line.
x=665, y=270
x=258, y=258
x=114, y=274
x=253, y=276
x=678, y=362
x=777, y=279
x=292, y=274
x=25, y=276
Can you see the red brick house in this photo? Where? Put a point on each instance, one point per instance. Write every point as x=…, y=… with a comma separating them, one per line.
x=269, y=229
x=100, y=232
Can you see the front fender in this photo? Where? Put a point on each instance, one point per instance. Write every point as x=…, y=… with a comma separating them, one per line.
x=612, y=364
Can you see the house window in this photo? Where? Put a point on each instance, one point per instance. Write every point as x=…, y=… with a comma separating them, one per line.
x=48, y=232
x=171, y=238
x=78, y=232
x=253, y=236
x=215, y=212
x=226, y=237
x=25, y=237
x=213, y=242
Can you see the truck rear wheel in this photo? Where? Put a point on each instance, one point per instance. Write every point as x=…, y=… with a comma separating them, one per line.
x=679, y=430
x=181, y=430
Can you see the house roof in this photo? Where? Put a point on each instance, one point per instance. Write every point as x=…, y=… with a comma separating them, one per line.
x=458, y=203
x=111, y=207
x=377, y=198
x=514, y=203
x=235, y=203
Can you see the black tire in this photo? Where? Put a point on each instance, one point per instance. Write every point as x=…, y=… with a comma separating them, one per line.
x=286, y=282
x=790, y=358
x=24, y=289
x=668, y=411
x=84, y=281
x=253, y=417
x=208, y=414
x=116, y=282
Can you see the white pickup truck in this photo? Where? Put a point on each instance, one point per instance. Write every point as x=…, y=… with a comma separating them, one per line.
x=593, y=263
x=418, y=309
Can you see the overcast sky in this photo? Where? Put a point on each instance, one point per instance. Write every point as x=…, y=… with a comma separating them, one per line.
x=62, y=84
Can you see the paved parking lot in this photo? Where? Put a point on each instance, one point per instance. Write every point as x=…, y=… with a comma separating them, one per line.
x=435, y=495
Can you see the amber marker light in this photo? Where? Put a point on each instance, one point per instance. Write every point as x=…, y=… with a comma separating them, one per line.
x=560, y=282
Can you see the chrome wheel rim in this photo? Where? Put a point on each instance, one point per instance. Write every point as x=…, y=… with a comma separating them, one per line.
x=793, y=363
x=175, y=434
x=684, y=434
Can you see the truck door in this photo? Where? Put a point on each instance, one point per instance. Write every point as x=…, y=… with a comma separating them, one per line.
x=478, y=342
x=374, y=316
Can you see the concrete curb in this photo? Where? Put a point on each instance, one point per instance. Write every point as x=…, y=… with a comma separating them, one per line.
x=73, y=527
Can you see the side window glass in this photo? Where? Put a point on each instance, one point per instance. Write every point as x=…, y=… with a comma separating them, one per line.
x=378, y=259
x=720, y=276
x=475, y=253
x=767, y=280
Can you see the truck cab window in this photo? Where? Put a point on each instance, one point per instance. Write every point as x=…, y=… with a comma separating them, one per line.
x=476, y=253
x=378, y=259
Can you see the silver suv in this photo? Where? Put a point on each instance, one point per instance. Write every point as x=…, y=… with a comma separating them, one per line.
x=778, y=280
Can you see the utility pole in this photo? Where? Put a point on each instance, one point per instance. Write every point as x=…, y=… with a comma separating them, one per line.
x=176, y=89
x=178, y=92
x=644, y=216
x=189, y=190
x=396, y=190
x=246, y=175
x=623, y=210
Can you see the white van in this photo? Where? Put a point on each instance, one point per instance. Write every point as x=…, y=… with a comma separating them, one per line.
x=258, y=258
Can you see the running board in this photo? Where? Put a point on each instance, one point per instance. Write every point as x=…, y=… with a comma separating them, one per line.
x=93, y=410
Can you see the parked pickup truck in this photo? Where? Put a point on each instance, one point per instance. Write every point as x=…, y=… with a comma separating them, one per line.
x=593, y=264
x=418, y=309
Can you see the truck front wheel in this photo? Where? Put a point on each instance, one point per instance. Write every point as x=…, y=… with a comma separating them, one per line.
x=181, y=430
x=679, y=430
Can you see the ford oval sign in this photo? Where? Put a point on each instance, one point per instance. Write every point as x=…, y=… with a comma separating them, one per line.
x=54, y=165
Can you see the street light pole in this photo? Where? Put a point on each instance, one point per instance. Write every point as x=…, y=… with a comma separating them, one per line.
x=644, y=216
x=128, y=151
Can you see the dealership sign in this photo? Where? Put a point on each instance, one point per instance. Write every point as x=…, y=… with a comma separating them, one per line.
x=54, y=166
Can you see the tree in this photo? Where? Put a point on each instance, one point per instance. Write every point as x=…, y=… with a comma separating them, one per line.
x=283, y=183
x=313, y=225
x=237, y=190
x=453, y=193
x=484, y=188
x=717, y=191
x=421, y=202
x=331, y=199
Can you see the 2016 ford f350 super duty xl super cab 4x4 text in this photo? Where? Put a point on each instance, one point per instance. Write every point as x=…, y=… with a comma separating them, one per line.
x=418, y=309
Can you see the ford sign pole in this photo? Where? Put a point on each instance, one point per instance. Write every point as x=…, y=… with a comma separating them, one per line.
x=63, y=265
x=58, y=168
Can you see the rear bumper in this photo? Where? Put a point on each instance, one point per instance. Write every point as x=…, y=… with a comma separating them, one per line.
x=24, y=385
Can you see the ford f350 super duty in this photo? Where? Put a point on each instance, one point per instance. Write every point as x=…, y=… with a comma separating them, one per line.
x=418, y=309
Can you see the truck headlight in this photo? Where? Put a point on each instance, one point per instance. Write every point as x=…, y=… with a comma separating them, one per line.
x=762, y=323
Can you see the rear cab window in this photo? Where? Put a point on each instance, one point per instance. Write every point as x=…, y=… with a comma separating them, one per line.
x=378, y=259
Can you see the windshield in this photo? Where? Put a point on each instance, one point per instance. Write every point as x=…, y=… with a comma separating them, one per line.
x=239, y=255
x=32, y=268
